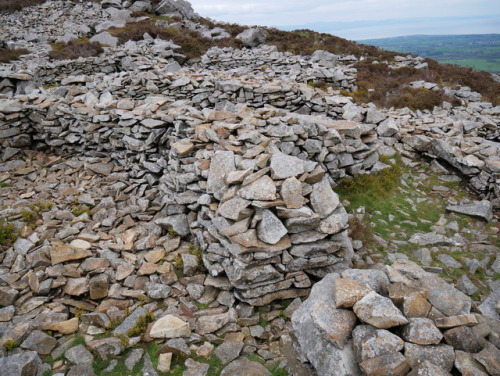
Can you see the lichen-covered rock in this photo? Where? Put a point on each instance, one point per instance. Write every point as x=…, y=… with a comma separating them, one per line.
x=378, y=311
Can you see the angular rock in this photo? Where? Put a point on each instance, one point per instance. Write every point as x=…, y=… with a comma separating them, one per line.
x=261, y=189
x=426, y=368
x=244, y=367
x=79, y=355
x=170, y=327
x=284, y=166
x=489, y=357
x=464, y=338
x=67, y=253
x=348, y=291
x=323, y=199
x=63, y=327
x=222, y=163
x=228, y=351
x=371, y=343
x=421, y=331
x=453, y=321
x=387, y=128
x=378, y=311
x=467, y=365
x=482, y=209
x=442, y=356
x=291, y=192
x=178, y=223
x=252, y=37
x=25, y=363
x=270, y=229
x=40, y=342
x=389, y=364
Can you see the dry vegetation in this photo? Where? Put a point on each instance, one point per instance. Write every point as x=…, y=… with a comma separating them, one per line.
x=7, y=54
x=9, y=6
x=193, y=45
x=380, y=84
x=75, y=49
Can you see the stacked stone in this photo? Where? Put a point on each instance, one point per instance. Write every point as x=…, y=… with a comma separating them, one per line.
x=417, y=62
x=17, y=83
x=397, y=321
x=265, y=61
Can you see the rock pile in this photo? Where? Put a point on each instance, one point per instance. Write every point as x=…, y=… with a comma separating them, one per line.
x=266, y=62
x=394, y=321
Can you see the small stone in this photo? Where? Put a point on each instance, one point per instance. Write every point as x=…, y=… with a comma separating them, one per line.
x=133, y=358
x=467, y=365
x=464, y=338
x=76, y=286
x=63, y=327
x=228, y=351
x=465, y=285
x=426, y=368
x=387, y=128
x=40, y=342
x=421, y=331
x=369, y=342
x=442, y=356
x=482, y=209
x=389, y=364
x=378, y=311
x=67, y=253
x=170, y=327
x=453, y=321
x=195, y=368
x=284, y=166
x=7, y=313
x=291, y=192
x=348, y=291
x=107, y=347
x=323, y=199
x=244, y=367
x=183, y=147
x=99, y=286
x=24, y=363
x=79, y=355
x=164, y=362
x=270, y=229
x=261, y=189
x=489, y=357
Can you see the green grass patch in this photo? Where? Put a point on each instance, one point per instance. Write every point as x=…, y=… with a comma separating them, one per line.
x=8, y=233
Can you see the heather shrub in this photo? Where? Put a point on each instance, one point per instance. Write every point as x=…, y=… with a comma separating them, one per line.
x=75, y=49
x=9, y=6
x=7, y=54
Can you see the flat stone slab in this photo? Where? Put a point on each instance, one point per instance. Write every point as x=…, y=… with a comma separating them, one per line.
x=482, y=209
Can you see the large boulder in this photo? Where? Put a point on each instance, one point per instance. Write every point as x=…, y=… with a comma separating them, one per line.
x=252, y=37
x=177, y=8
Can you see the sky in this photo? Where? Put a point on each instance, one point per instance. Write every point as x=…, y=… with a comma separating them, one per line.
x=361, y=19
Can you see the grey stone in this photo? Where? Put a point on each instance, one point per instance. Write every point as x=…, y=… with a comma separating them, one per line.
x=228, y=351
x=178, y=222
x=323, y=199
x=465, y=285
x=387, y=128
x=195, y=368
x=489, y=357
x=252, y=37
x=285, y=166
x=270, y=229
x=129, y=322
x=325, y=357
x=442, y=356
x=79, y=355
x=389, y=364
x=244, y=367
x=40, y=342
x=378, y=311
x=426, y=368
x=133, y=358
x=464, y=338
x=482, y=209
x=105, y=38
x=421, y=331
x=370, y=342
x=25, y=363
x=222, y=163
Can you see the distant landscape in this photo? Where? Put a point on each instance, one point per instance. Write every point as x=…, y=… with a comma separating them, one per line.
x=481, y=51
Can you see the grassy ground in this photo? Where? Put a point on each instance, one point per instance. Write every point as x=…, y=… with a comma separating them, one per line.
x=413, y=203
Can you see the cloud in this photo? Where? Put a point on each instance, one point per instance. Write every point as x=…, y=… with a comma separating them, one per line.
x=292, y=12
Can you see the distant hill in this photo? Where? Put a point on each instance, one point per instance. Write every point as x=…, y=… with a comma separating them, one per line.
x=479, y=51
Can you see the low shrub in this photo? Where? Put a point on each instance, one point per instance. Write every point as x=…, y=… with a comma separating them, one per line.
x=75, y=49
x=10, y=6
x=7, y=55
x=8, y=233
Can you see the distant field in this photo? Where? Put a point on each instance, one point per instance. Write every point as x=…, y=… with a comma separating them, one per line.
x=480, y=51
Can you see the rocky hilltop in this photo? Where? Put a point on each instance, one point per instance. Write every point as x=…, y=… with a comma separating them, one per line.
x=179, y=196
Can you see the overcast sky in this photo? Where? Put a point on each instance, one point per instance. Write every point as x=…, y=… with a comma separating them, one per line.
x=361, y=19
